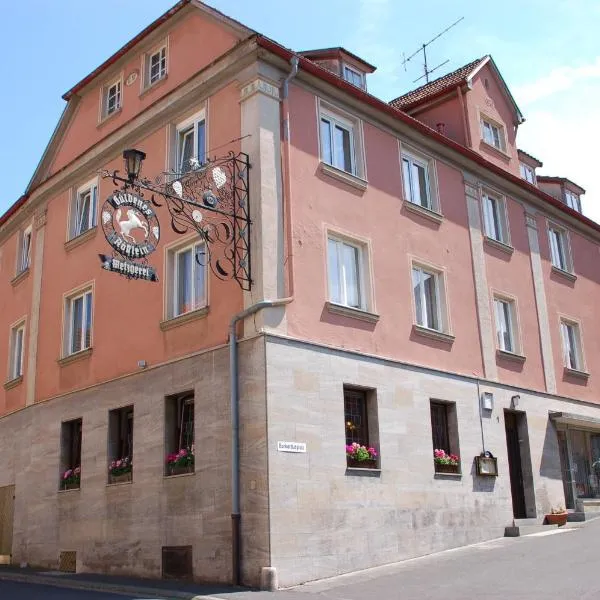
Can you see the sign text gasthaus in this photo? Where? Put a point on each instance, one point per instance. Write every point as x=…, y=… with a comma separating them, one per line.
x=132, y=230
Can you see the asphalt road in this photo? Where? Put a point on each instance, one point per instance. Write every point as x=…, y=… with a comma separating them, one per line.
x=564, y=565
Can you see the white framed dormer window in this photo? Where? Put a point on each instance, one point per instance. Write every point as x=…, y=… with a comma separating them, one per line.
x=495, y=220
x=493, y=134
x=84, y=209
x=78, y=322
x=191, y=143
x=572, y=200
x=16, y=351
x=353, y=76
x=187, y=279
x=417, y=181
x=572, y=345
x=24, y=250
x=429, y=298
x=560, y=249
x=527, y=173
x=505, y=312
x=346, y=272
x=112, y=97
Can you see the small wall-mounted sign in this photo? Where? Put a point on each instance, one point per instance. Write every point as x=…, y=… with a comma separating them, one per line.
x=296, y=447
x=132, y=77
x=487, y=465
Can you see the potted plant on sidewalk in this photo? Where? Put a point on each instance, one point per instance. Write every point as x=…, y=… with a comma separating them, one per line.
x=557, y=516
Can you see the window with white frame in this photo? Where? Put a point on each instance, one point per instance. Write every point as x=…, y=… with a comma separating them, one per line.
x=506, y=332
x=572, y=200
x=17, y=342
x=560, y=253
x=191, y=143
x=156, y=66
x=493, y=134
x=415, y=176
x=495, y=222
x=24, y=253
x=428, y=296
x=78, y=322
x=354, y=76
x=572, y=347
x=187, y=279
x=84, y=209
x=345, y=270
x=527, y=173
x=111, y=101
x=338, y=142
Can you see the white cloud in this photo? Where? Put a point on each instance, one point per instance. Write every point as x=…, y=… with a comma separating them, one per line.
x=558, y=80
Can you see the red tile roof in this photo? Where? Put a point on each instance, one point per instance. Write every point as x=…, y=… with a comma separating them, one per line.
x=437, y=87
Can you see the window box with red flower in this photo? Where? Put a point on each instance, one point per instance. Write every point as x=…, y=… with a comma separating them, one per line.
x=446, y=463
x=71, y=479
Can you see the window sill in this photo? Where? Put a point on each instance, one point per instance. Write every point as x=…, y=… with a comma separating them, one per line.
x=437, y=475
x=107, y=118
x=67, y=360
x=358, y=472
x=66, y=491
x=576, y=373
x=178, y=475
x=354, y=313
x=119, y=483
x=565, y=274
x=343, y=176
x=184, y=318
x=501, y=153
x=152, y=86
x=81, y=238
x=518, y=358
x=20, y=277
x=9, y=385
x=433, y=334
x=428, y=213
x=498, y=244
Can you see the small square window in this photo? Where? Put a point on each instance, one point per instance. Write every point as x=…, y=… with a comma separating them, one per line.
x=506, y=331
x=24, y=250
x=191, y=144
x=428, y=293
x=346, y=273
x=493, y=134
x=572, y=201
x=84, y=209
x=560, y=252
x=362, y=426
x=179, y=434
x=70, y=454
x=354, y=77
x=527, y=173
x=572, y=346
x=17, y=345
x=78, y=323
x=156, y=66
x=120, y=444
x=444, y=434
x=416, y=180
x=187, y=279
x=495, y=221
x=111, y=98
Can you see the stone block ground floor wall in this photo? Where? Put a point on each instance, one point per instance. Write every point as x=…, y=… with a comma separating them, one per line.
x=326, y=519
x=122, y=528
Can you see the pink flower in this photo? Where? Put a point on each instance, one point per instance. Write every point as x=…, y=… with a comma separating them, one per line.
x=67, y=474
x=77, y=471
x=118, y=463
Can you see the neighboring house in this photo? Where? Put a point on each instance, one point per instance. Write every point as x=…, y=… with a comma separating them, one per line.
x=437, y=294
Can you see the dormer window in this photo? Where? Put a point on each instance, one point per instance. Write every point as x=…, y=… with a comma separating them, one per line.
x=354, y=76
x=493, y=134
x=527, y=173
x=572, y=201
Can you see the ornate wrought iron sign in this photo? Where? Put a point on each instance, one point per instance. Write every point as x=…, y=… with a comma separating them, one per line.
x=211, y=199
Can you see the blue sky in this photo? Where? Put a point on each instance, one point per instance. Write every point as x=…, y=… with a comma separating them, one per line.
x=547, y=52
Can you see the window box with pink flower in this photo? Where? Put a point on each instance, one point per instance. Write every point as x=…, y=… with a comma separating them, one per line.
x=71, y=479
x=120, y=470
x=181, y=462
x=361, y=457
x=444, y=462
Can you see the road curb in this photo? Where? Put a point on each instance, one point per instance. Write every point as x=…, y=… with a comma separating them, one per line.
x=96, y=586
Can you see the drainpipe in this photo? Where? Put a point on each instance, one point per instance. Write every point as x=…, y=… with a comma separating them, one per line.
x=235, y=431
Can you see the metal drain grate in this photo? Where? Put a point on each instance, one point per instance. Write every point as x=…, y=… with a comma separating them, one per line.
x=67, y=562
x=177, y=562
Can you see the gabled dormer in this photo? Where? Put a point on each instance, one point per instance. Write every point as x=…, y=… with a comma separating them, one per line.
x=562, y=189
x=344, y=64
x=473, y=106
x=527, y=166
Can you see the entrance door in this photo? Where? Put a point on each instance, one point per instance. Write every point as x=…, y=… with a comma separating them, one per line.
x=565, y=464
x=515, y=467
x=7, y=506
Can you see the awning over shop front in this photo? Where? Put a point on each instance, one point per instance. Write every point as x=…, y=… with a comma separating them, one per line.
x=575, y=420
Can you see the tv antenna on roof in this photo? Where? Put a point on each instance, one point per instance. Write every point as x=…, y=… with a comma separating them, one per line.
x=426, y=70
